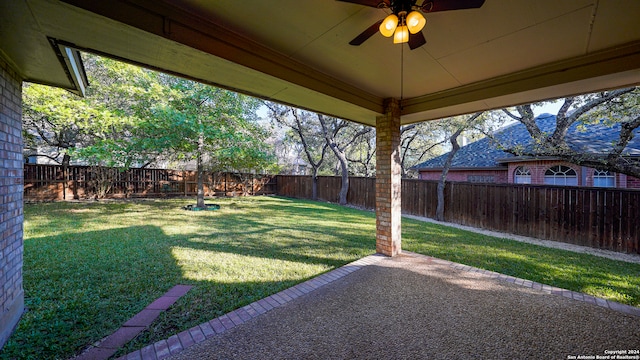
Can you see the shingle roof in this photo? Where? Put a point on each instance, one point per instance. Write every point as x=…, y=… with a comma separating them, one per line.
x=484, y=153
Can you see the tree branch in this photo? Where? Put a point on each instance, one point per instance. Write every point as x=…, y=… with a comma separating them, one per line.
x=626, y=134
x=48, y=157
x=511, y=115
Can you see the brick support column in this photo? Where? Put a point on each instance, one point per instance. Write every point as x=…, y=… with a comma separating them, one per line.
x=11, y=187
x=388, y=177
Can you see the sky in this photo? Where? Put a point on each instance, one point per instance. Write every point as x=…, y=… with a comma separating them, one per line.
x=551, y=108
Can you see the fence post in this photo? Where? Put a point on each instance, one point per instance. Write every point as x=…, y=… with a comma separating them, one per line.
x=74, y=183
x=64, y=182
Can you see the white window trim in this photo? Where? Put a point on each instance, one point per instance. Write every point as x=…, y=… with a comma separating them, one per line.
x=561, y=175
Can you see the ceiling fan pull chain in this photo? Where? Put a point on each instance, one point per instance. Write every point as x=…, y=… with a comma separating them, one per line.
x=401, y=74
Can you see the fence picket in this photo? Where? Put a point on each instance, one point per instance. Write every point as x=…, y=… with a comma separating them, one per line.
x=588, y=216
x=47, y=182
x=596, y=217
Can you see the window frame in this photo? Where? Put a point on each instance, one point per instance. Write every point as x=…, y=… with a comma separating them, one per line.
x=608, y=176
x=522, y=173
x=561, y=175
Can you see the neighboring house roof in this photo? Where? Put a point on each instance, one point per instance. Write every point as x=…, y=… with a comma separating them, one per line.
x=484, y=153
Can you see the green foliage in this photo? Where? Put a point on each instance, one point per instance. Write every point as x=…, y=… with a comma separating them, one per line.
x=191, y=111
x=133, y=115
x=619, y=109
x=92, y=128
x=60, y=121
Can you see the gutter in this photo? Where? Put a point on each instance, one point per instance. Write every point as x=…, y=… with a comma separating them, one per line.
x=71, y=61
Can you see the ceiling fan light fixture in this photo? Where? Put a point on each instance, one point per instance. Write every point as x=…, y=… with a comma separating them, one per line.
x=389, y=25
x=401, y=35
x=415, y=22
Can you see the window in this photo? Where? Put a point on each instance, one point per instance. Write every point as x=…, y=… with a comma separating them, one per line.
x=603, y=178
x=522, y=175
x=560, y=175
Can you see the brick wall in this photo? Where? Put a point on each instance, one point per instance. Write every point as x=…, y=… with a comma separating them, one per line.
x=585, y=174
x=633, y=182
x=537, y=168
x=498, y=176
x=629, y=182
x=11, y=216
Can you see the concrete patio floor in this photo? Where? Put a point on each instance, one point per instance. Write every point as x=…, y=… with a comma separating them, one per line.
x=413, y=306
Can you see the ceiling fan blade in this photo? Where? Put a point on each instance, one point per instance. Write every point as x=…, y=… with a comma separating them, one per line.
x=416, y=40
x=446, y=5
x=371, y=3
x=371, y=30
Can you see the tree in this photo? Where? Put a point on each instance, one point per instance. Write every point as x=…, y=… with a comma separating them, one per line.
x=60, y=125
x=136, y=116
x=340, y=135
x=362, y=155
x=314, y=146
x=211, y=126
x=453, y=139
x=49, y=123
x=56, y=122
x=317, y=133
x=615, y=108
x=131, y=93
x=417, y=141
x=457, y=125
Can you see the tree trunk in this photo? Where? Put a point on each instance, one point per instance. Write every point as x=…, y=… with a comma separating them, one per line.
x=344, y=172
x=66, y=160
x=200, y=172
x=445, y=170
x=440, y=207
x=342, y=159
x=314, y=184
x=344, y=189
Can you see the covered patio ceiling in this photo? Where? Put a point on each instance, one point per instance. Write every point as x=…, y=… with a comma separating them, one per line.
x=297, y=52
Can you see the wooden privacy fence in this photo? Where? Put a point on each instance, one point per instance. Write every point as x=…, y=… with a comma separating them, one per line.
x=595, y=217
x=361, y=190
x=54, y=182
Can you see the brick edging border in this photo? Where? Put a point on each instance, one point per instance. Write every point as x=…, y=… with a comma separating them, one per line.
x=197, y=334
x=108, y=346
x=612, y=305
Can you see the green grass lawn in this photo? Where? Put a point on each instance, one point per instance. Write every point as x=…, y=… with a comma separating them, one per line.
x=89, y=267
x=609, y=279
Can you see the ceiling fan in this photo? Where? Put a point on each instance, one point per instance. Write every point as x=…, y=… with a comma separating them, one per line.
x=405, y=22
